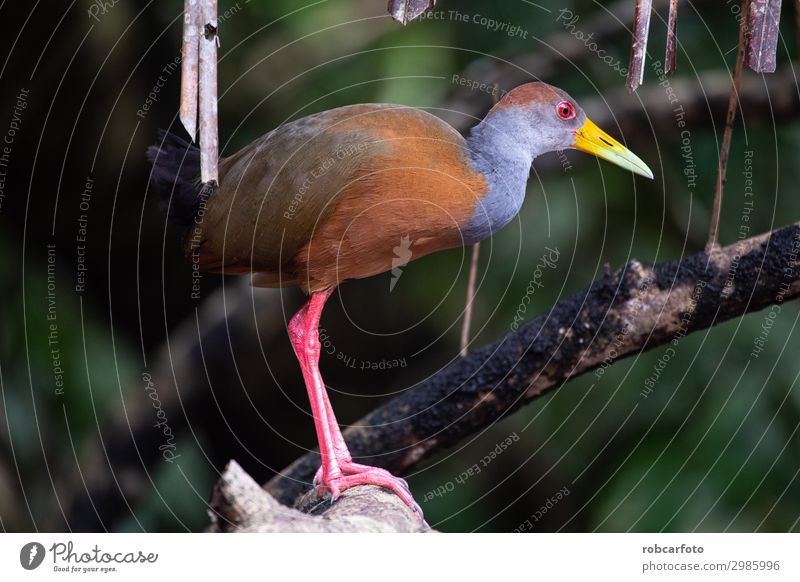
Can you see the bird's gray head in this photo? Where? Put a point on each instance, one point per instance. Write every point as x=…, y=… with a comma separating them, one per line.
x=536, y=118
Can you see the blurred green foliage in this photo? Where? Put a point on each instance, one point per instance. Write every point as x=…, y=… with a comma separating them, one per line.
x=713, y=447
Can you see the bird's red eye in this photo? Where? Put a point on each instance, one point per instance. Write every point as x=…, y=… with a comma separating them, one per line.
x=565, y=110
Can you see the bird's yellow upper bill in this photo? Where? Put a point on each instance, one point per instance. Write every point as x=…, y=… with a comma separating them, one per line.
x=593, y=140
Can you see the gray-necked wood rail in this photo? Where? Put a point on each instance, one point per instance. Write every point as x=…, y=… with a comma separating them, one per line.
x=328, y=198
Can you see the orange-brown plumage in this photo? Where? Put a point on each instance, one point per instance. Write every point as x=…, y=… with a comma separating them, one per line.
x=329, y=197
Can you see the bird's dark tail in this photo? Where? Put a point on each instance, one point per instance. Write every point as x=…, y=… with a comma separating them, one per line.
x=176, y=177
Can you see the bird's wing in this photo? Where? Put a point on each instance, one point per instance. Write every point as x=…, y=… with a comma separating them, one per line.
x=328, y=197
x=274, y=192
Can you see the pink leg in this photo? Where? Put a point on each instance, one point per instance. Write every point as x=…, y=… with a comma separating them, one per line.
x=338, y=471
x=305, y=342
x=346, y=464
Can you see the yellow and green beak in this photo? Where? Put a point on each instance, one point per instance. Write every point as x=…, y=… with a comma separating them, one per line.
x=593, y=140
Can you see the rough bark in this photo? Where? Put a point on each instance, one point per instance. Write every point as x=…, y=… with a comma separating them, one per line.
x=239, y=504
x=635, y=309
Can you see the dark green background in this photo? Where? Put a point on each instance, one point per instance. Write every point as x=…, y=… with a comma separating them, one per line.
x=714, y=447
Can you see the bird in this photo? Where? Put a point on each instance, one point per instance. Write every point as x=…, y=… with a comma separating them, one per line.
x=331, y=196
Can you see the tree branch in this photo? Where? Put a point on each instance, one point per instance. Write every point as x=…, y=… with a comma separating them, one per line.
x=636, y=309
x=238, y=504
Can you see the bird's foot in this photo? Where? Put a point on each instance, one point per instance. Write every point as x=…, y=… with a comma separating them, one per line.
x=348, y=467
x=353, y=474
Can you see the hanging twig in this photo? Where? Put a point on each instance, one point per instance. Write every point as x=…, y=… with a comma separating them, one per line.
x=199, y=81
x=672, y=37
x=733, y=99
x=641, y=28
x=209, y=140
x=762, y=42
x=190, y=55
x=473, y=275
x=404, y=11
x=473, y=270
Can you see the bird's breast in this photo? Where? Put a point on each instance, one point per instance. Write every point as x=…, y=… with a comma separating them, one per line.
x=414, y=199
x=506, y=172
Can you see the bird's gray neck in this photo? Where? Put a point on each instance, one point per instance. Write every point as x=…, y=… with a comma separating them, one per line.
x=501, y=149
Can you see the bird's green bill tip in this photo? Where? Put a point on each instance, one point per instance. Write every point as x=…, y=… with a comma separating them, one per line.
x=593, y=140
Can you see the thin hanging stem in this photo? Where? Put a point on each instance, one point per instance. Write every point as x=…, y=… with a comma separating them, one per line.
x=672, y=37
x=473, y=276
x=473, y=271
x=209, y=138
x=190, y=55
x=641, y=28
x=733, y=99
